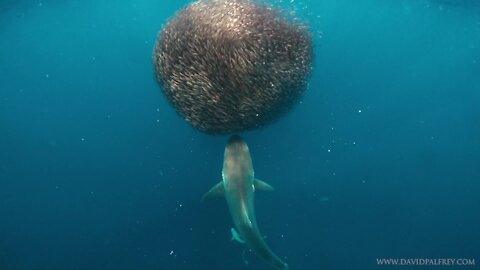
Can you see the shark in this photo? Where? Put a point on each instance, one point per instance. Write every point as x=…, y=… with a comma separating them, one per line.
x=238, y=187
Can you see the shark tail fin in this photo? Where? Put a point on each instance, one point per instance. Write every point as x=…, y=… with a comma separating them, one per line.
x=236, y=236
x=215, y=192
x=262, y=186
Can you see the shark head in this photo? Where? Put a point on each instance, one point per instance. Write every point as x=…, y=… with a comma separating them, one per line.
x=237, y=163
x=236, y=147
x=235, y=139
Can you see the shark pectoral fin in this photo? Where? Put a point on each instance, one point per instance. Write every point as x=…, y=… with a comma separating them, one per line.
x=260, y=185
x=236, y=236
x=215, y=192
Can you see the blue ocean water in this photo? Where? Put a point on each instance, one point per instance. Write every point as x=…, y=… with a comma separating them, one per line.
x=381, y=159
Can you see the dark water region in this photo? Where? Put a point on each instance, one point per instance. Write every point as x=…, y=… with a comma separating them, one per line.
x=379, y=160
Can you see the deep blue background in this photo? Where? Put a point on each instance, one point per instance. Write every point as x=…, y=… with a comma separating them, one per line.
x=380, y=160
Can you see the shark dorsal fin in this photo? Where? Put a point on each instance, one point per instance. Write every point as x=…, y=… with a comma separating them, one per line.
x=261, y=185
x=236, y=236
x=215, y=192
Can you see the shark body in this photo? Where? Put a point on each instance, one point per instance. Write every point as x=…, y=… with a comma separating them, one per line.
x=238, y=186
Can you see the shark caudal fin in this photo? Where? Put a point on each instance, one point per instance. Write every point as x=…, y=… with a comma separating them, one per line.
x=262, y=186
x=216, y=191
